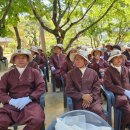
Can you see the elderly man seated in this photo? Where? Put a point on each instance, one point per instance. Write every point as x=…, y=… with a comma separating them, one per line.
x=83, y=86
x=20, y=91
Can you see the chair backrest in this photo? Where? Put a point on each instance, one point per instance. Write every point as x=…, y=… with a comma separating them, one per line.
x=110, y=100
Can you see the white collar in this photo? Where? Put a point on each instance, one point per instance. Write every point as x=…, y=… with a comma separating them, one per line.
x=82, y=70
x=21, y=70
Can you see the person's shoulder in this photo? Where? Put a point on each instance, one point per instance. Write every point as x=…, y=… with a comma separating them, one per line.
x=91, y=70
x=109, y=69
x=62, y=54
x=126, y=68
x=9, y=72
x=72, y=71
x=33, y=70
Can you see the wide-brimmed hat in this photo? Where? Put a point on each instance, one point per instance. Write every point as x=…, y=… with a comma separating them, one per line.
x=20, y=52
x=114, y=53
x=84, y=47
x=58, y=45
x=97, y=49
x=127, y=46
x=80, y=52
x=70, y=49
x=34, y=49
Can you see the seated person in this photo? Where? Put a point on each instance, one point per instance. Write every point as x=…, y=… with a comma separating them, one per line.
x=97, y=63
x=83, y=86
x=19, y=95
x=127, y=54
x=117, y=80
x=68, y=64
x=107, y=52
x=37, y=58
x=56, y=61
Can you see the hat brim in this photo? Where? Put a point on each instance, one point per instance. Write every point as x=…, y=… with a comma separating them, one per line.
x=57, y=46
x=97, y=50
x=34, y=51
x=15, y=54
x=110, y=58
x=73, y=55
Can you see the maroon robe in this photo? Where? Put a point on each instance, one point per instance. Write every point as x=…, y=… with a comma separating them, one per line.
x=102, y=64
x=117, y=83
x=76, y=86
x=126, y=53
x=40, y=61
x=11, y=86
x=33, y=64
x=57, y=63
x=66, y=67
x=127, y=64
x=106, y=55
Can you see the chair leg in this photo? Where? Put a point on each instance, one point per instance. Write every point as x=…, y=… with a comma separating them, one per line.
x=118, y=116
x=65, y=100
x=53, y=84
x=15, y=127
x=43, y=127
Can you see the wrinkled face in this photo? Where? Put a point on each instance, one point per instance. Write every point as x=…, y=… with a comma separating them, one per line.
x=117, y=61
x=97, y=55
x=79, y=61
x=33, y=53
x=109, y=48
x=57, y=50
x=21, y=60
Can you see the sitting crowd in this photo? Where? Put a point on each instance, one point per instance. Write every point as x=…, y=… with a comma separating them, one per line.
x=84, y=72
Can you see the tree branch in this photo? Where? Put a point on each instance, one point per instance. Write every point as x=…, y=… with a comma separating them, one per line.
x=61, y=15
x=17, y=37
x=39, y=19
x=68, y=18
x=82, y=31
x=5, y=13
x=59, y=5
x=89, y=7
x=54, y=17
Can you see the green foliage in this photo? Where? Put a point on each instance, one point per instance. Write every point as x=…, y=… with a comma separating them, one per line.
x=115, y=24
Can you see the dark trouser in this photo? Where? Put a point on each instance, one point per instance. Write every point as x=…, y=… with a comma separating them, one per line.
x=32, y=115
x=126, y=115
x=58, y=80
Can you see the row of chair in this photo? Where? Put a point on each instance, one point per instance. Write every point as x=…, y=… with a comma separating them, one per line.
x=108, y=112
x=110, y=98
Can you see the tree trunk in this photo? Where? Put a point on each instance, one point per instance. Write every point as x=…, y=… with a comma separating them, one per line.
x=91, y=42
x=42, y=38
x=35, y=39
x=59, y=40
x=18, y=37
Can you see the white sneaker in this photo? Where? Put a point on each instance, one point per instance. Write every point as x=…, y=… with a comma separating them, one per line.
x=57, y=90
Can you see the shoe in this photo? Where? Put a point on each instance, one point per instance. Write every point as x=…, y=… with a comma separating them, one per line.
x=57, y=90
